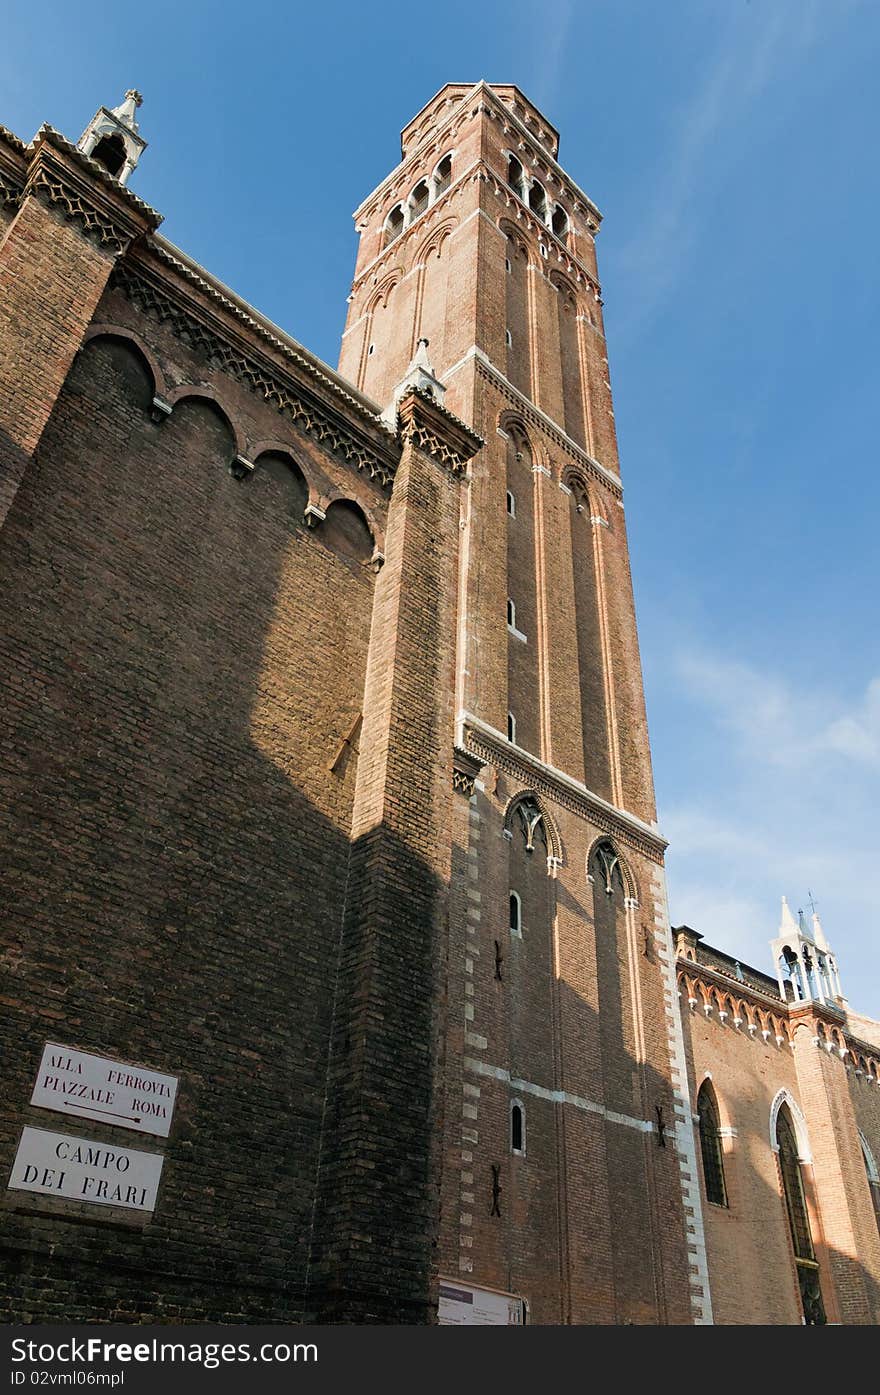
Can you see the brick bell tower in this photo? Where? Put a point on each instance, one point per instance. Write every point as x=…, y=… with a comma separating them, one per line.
x=569, y=1177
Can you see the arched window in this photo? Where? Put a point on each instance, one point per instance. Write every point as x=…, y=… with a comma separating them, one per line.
x=394, y=224
x=508, y=338
x=559, y=221
x=531, y=824
x=710, y=1145
x=511, y=614
x=511, y=504
x=515, y=177
x=515, y=914
x=538, y=200
x=110, y=152
x=347, y=531
x=442, y=176
x=418, y=200
x=517, y=1127
x=798, y=1219
x=511, y=728
x=279, y=480
x=873, y=1177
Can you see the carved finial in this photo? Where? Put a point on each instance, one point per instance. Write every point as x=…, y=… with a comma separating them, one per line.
x=787, y=924
x=421, y=376
x=127, y=108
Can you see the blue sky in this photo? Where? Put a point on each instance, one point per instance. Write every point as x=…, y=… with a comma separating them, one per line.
x=731, y=145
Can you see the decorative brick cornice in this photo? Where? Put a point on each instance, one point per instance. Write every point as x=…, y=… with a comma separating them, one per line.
x=555, y=785
x=706, y=974
x=13, y=167
x=544, y=424
x=482, y=100
x=11, y=188
x=119, y=194
x=725, y=999
x=546, y=163
x=423, y=423
x=15, y=142
x=480, y=173
x=530, y=223
x=245, y=314
x=225, y=335
x=466, y=768
x=65, y=179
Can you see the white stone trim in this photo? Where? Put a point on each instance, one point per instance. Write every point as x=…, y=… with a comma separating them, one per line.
x=528, y=1087
x=474, y=352
x=701, y=1298
x=800, y=1124
x=550, y=772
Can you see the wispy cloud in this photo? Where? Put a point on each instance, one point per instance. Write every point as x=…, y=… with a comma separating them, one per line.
x=856, y=734
x=551, y=55
x=795, y=811
x=775, y=719
x=757, y=45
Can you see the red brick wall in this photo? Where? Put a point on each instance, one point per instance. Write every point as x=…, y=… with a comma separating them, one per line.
x=182, y=663
x=751, y=1266
x=592, y=1225
x=51, y=279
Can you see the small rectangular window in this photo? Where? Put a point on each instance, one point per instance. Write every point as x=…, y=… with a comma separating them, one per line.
x=517, y=1128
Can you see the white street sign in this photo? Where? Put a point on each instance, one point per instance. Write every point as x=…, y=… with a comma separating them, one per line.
x=83, y=1086
x=462, y=1305
x=58, y=1164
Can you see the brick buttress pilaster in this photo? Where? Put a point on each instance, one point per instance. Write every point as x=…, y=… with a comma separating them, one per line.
x=73, y=223
x=376, y=1219
x=849, y=1233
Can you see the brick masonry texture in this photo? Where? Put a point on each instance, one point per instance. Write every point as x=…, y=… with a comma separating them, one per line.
x=262, y=814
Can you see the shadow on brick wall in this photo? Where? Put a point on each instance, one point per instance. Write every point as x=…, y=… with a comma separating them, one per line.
x=182, y=665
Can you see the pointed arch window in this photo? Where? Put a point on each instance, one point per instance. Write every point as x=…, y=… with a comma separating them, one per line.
x=110, y=152
x=511, y=728
x=515, y=177
x=442, y=176
x=394, y=224
x=873, y=1177
x=607, y=863
x=531, y=822
x=419, y=200
x=710, y=1145
x=538, y=200
x=798, y=1219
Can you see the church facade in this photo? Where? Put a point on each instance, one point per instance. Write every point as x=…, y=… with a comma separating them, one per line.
x=340, y=978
